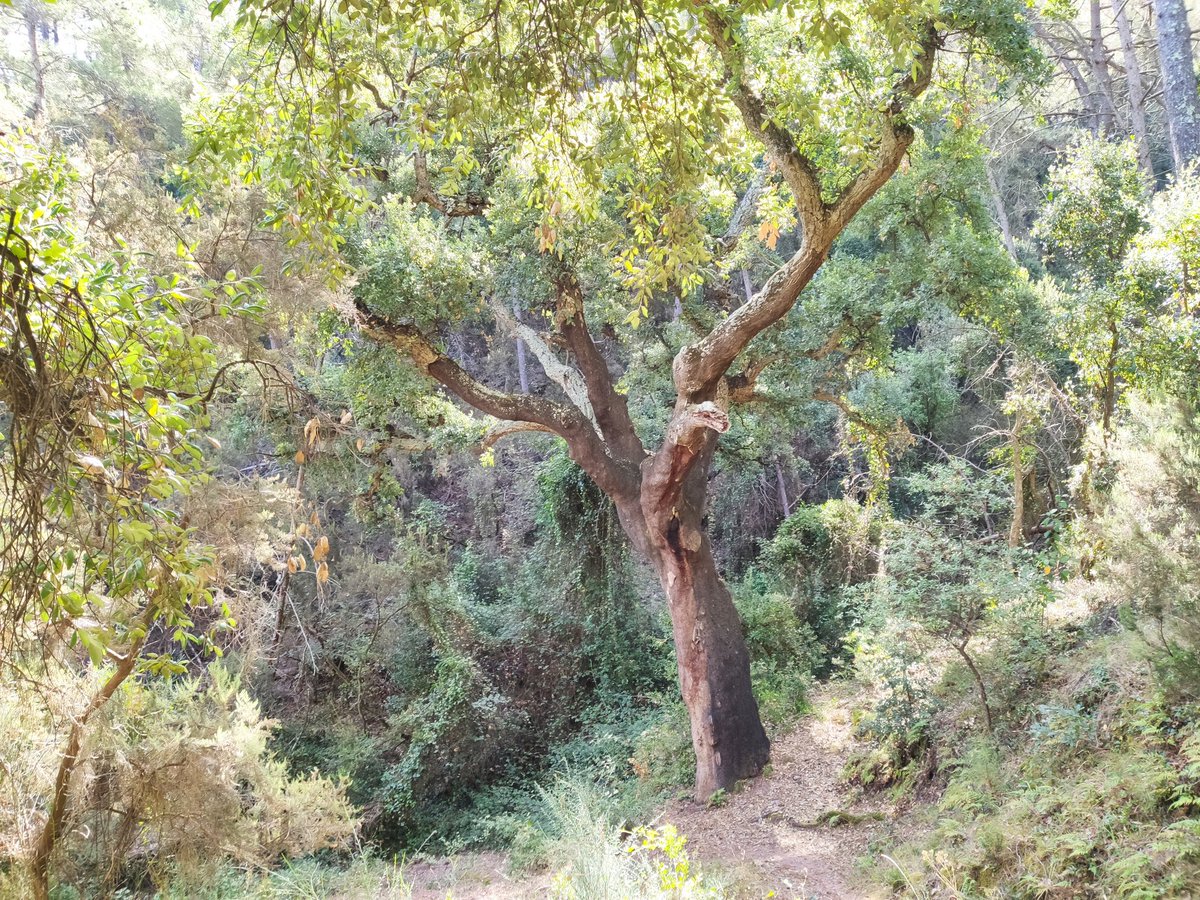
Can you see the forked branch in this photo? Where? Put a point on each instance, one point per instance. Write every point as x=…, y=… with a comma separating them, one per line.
x=568, y=422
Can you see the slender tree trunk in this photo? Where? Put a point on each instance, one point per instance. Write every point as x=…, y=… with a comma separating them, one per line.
x=1098, y=58
x=1137, y=89
x=1174, y=37
x=1016, y=534
x=781, y=486
x=1001, y=214
x=37, y=107
x=522, y=363
x=983, y=697
x=44, y=849
x=1110, y=379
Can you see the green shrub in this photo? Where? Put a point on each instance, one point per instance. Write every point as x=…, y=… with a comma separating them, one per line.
x=782, y=649
x=1151, y=529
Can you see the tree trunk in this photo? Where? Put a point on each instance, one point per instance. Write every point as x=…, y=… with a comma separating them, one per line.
x=47, y=840
x=522, y=363
x=1137, y=89
x=1109, y=399
x=1179, y=80
x=983, y=697
x=781, y=486
x=711, y=654
x=37, y=107
x=714, y=670
x=1098, y=57
x=1016, y=533
x=1001, y=214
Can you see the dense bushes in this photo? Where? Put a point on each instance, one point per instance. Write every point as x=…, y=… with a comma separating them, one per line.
x=451, y=681
x=173, y=784
x=818, y=556
x=1151, y=531
x=1087, y=785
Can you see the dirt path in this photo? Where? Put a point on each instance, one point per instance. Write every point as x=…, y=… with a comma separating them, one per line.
x=473, y=876
x=767, y=837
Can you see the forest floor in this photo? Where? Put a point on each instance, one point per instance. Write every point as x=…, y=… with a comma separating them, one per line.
x=774, y=835
x=771, y=836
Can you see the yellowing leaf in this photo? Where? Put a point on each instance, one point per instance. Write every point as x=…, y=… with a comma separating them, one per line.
x=322, y=549
x=300, y=458
x=768, y=233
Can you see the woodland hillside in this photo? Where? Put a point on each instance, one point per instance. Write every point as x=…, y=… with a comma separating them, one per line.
x=597, y=449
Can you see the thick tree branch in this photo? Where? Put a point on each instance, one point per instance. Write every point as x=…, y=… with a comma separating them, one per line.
x=895, y=140
x=699, y=367
x=846, y=409
x=571, y=382
x=562, y=420
x=583, y=443
x=503, y=429
x=742, y=386
x=610, y=407
x=797, y=169
x=454, y=207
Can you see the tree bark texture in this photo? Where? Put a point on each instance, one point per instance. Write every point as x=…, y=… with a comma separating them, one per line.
x=1174, y=37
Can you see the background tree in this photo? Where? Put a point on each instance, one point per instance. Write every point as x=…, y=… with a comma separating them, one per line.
x=1174, y=34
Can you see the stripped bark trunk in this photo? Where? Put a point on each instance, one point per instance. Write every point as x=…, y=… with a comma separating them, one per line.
x=1174, y=38
x=711, y=655
x=714, y=667
x=1135, y=85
